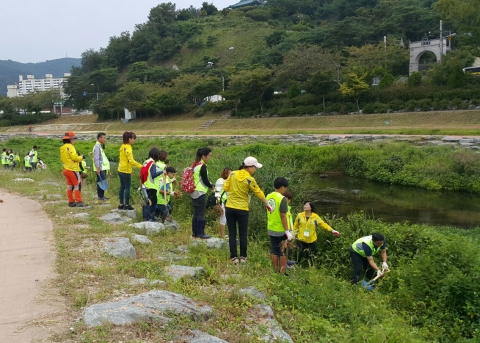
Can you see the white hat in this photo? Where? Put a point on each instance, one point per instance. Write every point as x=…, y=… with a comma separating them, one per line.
x=252, y=162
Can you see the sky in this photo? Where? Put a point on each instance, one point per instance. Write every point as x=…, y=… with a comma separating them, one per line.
x=36, y=31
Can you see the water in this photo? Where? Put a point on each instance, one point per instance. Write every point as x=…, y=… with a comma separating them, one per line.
x=343, y=195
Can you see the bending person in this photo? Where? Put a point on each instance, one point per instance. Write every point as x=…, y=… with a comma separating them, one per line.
x=362, y=251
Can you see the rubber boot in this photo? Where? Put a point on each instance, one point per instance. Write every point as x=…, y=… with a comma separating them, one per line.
x=275, y=262
x=194, y=228
x=201, y=229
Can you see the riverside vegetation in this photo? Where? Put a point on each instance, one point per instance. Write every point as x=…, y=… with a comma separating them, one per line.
x=431, y=295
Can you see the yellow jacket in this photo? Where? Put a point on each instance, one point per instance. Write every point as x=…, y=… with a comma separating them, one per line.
x=238, y=185
x=126, y=160
x=69, y=157
x=301, y=225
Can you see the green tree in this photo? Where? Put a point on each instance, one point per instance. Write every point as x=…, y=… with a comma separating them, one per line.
x=354, y=86
x=304, y=61
x=386, y=81
x=117, y=53
x=415, y=79
x=209, y=9
x=254, y=82
x=321, y=84
x=465, y=15
x=275, y=38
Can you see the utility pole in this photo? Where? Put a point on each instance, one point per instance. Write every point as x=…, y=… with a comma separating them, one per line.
x=441, y=41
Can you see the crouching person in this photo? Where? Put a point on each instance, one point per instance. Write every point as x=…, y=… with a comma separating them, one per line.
x=362, y=252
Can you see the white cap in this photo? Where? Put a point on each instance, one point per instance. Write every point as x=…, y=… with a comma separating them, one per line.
x=252, y=162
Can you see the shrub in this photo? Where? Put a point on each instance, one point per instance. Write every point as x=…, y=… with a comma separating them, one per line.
x=415, y=79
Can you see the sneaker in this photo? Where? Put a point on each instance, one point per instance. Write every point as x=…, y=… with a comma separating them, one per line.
x=290, y=266
x=71, y=204
x=291, y=262
x=234, y=260
x=81, y=204
x=243, y=259
x=204, y=236
x=128, y=207
x=120, y=207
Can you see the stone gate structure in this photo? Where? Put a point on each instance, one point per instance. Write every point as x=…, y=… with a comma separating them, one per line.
x=417, y=49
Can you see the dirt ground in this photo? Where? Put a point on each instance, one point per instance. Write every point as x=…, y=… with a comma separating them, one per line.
x=31, y=309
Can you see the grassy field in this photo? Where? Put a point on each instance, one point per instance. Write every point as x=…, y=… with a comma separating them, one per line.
x=415, y=123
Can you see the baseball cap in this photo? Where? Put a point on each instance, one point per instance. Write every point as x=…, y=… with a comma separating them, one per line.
x=252, y=162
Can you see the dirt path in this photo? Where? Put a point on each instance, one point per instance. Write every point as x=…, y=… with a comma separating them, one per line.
x=30, y=310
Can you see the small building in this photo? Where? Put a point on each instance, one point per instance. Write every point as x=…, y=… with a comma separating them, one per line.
x=244, y=3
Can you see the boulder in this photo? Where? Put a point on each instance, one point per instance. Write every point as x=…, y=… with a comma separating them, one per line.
x=253, y=292
x=119, y=247
x=150, y=227
x=115, y=218
x=271, y=331
x=177, y=272
x=141, y=239
x=129, y=213
x=172, y=225
x=153, y=305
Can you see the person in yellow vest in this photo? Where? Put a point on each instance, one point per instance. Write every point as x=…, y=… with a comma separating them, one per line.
x=126, y=162
x=28, y=166
x=152, y=187
x=33, y=154
x=238, y=185
x=165, y=193
x=199, y=195
x=161, y=165
x=83, y=172
x=305, y=228
x=362, y=252
x=71, y=170
x=101, y=165
x=4, y=158
x=11, y=159
x=222, y=197
x=277, y=224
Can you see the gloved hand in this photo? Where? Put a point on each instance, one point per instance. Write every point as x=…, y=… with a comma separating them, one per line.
x=289, y=235
x=173, y=180
x=172, y=193
x=269, y=208
x=336, y=233
x=385, y=266
x=379, y=273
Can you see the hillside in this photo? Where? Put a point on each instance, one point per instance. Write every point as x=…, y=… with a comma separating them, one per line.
x=10, y=70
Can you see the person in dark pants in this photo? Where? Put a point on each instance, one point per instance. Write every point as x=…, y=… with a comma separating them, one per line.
x=362, y=251
x=199, y=195
x=152, y=187
x=101, y=163
x=126, y=162
x=238, y=185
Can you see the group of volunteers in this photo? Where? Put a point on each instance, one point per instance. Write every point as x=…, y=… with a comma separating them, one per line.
x=10, y=160
x=232, y=191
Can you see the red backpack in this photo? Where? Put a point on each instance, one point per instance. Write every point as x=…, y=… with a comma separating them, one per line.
x=144, y=172
x=188, y=185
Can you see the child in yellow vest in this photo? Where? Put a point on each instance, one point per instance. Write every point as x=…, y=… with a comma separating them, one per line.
x=165, y=193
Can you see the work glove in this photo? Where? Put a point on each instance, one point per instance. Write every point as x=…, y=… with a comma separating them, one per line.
x=289, y=235
x=336, y=233
x=379, y=273
x=385, y=266
x=269, y=208
x=172, y=193
x=173, y=180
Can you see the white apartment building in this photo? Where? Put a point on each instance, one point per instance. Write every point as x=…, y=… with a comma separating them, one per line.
x=31, y=84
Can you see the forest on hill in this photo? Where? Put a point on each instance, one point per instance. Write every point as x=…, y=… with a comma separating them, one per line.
x=286, y=57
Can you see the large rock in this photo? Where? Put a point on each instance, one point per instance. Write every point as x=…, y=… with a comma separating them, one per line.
x=202, y=337
x=177, y=272
x=115, y=218
x=149, y=227
x=213, y=243
x=120, y=247
x=153, y=305
x=271, y=331
x=129, y=213
x=172, y=225
x=253, y=292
